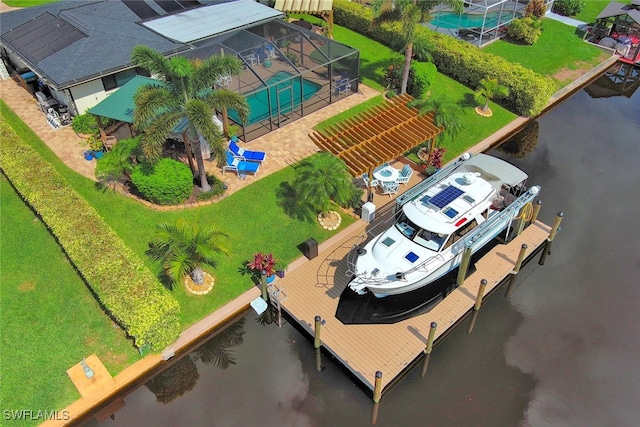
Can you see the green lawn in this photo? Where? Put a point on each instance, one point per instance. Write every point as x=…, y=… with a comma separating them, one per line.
x=375, y=58
x=253, y=219
x=49, y=319
x=559, y=47
x=592, y=8
x=26, y=3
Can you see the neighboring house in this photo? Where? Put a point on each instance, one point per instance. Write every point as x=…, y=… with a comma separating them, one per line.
x=80, y=49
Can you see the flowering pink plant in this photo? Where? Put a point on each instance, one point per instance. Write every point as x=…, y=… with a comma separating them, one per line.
x=263, y=262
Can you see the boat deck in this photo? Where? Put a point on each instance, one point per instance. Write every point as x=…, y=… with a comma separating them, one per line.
x=313, y=288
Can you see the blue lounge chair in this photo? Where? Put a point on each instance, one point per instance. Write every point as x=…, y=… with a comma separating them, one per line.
x=241, y=167
x=405, y=174
x=251, y=156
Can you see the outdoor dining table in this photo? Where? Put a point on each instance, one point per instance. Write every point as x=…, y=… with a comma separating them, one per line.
x=387, y=174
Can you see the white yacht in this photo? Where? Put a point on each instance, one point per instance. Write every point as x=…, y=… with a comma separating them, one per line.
x=468, y=203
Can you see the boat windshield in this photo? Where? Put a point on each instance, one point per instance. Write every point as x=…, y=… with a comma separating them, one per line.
x=423, y=237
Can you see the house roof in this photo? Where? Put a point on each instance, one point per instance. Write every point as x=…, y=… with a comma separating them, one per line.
x=616, y=9
x=109, y=30
x=120, y=105
x=203, y=22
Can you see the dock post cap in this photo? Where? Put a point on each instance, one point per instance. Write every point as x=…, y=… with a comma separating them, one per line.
x=560, y=214
x=539, y=202
x=434, y=325
x=378, y=374
x=483, y=281
x=524, y=246
x=317, y=318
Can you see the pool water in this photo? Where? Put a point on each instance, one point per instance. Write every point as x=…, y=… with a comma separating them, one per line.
x=289, y=88
x=453, y=20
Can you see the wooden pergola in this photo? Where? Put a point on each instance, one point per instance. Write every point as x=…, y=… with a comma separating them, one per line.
x=376, y=136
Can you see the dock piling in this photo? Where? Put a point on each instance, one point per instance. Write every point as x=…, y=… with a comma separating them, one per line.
x=317, y=342
x=377, y=389
x=476, y=307
x=536, y=211
x=428, y=348
x=464, y=265
x=516, y=270
x=263, y=284
x=554, y=230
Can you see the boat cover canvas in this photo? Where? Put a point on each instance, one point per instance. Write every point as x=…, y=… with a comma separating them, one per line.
x=501, y=171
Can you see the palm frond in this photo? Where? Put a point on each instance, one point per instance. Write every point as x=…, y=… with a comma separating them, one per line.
x=151, y=60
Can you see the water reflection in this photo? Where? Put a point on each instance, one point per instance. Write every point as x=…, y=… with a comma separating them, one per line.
x=523, y=143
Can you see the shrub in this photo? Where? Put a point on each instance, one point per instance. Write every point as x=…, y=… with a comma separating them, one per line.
x=125, y=288
x=168, y=182
x=537, y=8
x=529, y=92
x=568, y=7
x=526, y=30
x=421, y=75
x=85, y=124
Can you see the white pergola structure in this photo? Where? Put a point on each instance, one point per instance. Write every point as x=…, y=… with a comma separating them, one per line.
x=321, y=8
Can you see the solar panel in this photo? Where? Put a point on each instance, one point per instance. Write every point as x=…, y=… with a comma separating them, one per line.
x=140, y=8
x=188, y=3
x=446, y=196
x=169, y=6
x=43, y=36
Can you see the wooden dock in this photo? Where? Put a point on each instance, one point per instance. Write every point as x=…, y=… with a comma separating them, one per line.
x=313, y=289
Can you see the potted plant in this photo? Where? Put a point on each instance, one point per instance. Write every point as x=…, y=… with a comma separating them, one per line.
x=95, y=146
x=280, y=269
x=233, y=132
x=263, y=262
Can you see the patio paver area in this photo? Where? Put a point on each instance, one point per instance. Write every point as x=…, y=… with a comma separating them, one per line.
x=284, y=146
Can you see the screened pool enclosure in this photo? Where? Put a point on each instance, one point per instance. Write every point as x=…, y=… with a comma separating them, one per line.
x=482, y=21
x=287, y=72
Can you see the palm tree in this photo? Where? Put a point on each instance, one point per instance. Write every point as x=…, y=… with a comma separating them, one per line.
x=186, y=93
x=487, y=90
x=447, y=115
x=184, y=248
x=321, y=180
x=217, y=350
x=412, y=12
x=117, y=163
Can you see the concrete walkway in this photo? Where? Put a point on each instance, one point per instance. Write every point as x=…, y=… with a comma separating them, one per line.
x=565, y=20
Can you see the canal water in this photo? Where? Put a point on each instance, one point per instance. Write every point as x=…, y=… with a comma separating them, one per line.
x=564, y=351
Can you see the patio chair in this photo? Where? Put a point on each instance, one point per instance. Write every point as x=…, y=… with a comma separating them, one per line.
x=343, y=86
x=405, y=174
x=369, y=183
x=251, y=156
x=241, y=167
x=390, y=188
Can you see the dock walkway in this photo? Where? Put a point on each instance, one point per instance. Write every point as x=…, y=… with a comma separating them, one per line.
x=313, y=288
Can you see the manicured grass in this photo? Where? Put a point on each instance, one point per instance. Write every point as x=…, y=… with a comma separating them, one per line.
x=27, y=3
x=253, y=219
x=49, y=319
x=475, y=127
x=592, y=8
x=375, y=58
x=557, y=48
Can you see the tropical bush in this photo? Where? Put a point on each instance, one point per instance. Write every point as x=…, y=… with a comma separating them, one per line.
x=529, y=92
x=167, y=182
x=526, y=30
x=85, y=124
x=421, y=75
x=568, y=7
x=125, y=288
x=536, y=8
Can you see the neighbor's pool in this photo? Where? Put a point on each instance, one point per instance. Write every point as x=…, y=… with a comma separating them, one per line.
x=287, y=93
x=453, y=20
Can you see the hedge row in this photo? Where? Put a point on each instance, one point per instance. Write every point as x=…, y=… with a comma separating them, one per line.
x=529, y=92
x=127, y=290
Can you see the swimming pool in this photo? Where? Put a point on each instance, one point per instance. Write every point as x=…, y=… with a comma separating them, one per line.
x=453, y=20
x=287, y=93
